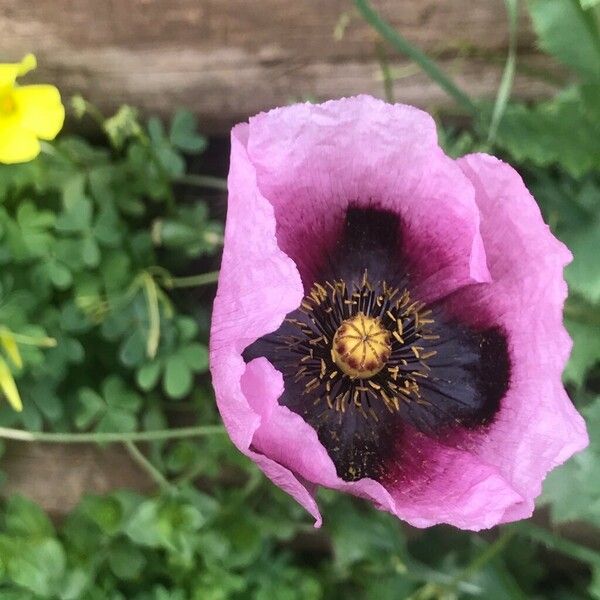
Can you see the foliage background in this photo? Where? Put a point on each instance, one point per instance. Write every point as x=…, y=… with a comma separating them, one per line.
x=103, y=247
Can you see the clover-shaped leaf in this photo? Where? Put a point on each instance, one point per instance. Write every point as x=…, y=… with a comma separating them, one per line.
x=168, y=158
x=78, y=220
x=177, y=370
x=30, y=235
x=115, y=409
x=183, y=133
x=190, y=231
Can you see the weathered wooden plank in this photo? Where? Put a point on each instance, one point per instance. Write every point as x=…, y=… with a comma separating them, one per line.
x=226, y=59
x=56, y=476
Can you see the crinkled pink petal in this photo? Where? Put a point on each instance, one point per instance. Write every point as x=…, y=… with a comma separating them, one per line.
x=449, y=485
x=459, y=489
x=288, y=439
x=537, y=427
x=312, y=160
x=258, y=286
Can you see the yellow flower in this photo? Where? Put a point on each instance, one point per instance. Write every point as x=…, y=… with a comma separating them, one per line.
x=27, y=113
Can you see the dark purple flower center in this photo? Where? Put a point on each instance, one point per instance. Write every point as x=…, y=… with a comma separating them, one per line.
x=360, y=346
x=364, y=361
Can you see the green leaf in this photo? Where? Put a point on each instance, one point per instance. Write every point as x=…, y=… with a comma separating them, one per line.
x=90, y=252
x=115, y=410
x=558, y=132
x=25, y=518
x=133, y=351
x=117, y=394
x=90, y=406
x=359, y=535
x=77, y=218
x=147, y=375
x=34, y=227
x=73, y=191
x=74, y=584
x=38, y=566
x=187, y=327
x=582, y=474
x=59, y=274
x=168, y=158
x=586, y=350
x=169, y=523
x=178, y=378
x=583, y=274
x=107, y=228
x=105, y=511
x=183, y=134
x=156, y=130
x=117, y=419
x=122, y=126
x=183, y=455
x=569, y=33
x=115, y=270
x=126, y=561
x=195, y=356
x=590, y=97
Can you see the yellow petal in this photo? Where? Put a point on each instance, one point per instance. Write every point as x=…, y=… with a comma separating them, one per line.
x=9, y=387
x=40, y=109
x=10, y=71
x=17, y=144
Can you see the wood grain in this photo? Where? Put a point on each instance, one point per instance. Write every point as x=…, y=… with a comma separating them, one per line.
x=227, y=59
x=56, y=476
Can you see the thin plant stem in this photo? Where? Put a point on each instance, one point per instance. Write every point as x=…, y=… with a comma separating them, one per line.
x=147, y=466
x=29, y=340
x=204, y=181
x=483, y=559
x=386, y=73
x=106, y=437
x=461, y=579
x=558, y=543
x=508, y=75
x=579, y=310
x=192, y=280
x=402, y=45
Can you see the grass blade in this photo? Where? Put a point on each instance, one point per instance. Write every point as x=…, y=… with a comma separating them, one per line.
x=508, y=75
x=402, y=45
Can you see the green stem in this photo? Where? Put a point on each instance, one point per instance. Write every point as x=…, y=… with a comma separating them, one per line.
x=147, y=466
x=403, y=46
x=205, y=181
x=508, y=75
x=386, y=73
x=192, y=280
x=581, y=311
x=94, y=112
x=560, y=544
x=486, y=556
x=28, y=340
x=461, y=579
x=105, y=437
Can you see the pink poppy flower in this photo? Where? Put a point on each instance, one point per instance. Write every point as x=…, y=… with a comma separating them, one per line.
x=388, y=321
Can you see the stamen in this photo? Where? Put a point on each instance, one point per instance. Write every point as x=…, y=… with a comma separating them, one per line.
x=359, y=345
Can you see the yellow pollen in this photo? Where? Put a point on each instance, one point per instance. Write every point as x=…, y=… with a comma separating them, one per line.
x=361, y=346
